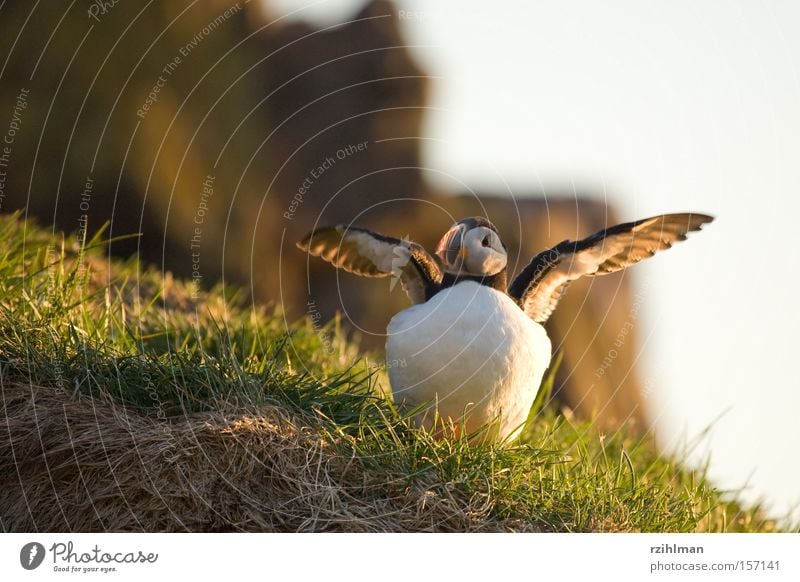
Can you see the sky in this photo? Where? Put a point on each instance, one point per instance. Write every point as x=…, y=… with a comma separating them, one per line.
x=660, y=107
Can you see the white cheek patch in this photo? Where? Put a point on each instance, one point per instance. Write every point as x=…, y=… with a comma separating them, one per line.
x=483, y=260
x=493, y=263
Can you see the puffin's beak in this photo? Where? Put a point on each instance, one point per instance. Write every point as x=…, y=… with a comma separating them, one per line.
x=449, y=248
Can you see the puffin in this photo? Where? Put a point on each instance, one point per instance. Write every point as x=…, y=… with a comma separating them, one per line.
x=468, y=356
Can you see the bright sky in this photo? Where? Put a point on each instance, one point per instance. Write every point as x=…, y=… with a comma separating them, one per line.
x=667, y=106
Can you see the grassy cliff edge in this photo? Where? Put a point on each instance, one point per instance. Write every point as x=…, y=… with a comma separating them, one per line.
x=132, y=402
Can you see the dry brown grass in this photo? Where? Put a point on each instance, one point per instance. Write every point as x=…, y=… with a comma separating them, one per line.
x=91, y=465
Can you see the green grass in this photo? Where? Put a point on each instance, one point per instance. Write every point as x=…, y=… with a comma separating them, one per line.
x=70, y=318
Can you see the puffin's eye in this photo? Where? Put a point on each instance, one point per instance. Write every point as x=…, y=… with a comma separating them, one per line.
x=485, y=241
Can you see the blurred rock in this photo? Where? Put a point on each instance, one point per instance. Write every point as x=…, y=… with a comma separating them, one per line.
x=223, y=139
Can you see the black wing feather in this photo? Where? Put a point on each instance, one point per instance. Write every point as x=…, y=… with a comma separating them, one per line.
x=540, y=285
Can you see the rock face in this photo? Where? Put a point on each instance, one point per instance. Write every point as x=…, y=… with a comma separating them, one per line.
x=343, y=100
x=223, y=139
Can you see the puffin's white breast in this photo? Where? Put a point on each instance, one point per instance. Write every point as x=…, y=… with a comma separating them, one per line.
x=472, y=351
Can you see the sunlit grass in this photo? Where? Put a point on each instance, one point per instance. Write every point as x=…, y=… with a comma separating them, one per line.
x=72, y=320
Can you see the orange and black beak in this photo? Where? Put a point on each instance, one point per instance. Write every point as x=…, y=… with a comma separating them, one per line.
x=449, y=249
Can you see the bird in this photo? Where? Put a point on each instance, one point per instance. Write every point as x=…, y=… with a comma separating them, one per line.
x=468, y=356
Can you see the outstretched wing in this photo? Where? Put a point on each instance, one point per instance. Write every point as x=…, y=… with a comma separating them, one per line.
x=370, y=254
x=540, y=285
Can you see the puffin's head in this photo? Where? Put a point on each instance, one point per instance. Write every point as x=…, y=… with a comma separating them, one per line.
x=472, y=247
